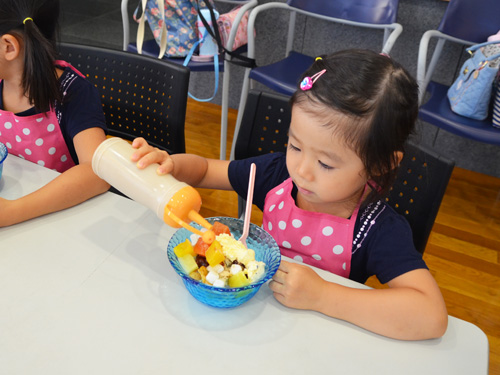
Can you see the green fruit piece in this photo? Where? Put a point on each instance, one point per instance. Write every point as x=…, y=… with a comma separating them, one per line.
x=238, y=280
x=188, y=263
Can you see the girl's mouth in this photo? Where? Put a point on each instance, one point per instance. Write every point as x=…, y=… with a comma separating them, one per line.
x=304, y=191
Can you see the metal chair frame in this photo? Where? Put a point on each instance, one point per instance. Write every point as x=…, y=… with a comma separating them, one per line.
x=247, y=5
x=391, y=33
x=454, y=28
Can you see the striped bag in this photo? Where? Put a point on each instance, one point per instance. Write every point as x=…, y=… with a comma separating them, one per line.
x=496, y=104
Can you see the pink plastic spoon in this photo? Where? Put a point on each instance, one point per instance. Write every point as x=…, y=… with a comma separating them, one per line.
x=248, y=208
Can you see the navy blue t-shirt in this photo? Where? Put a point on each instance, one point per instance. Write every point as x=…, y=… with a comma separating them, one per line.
x=81, y=108
x=385, y=241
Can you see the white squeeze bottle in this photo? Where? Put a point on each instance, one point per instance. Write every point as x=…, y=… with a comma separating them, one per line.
x=173, y=201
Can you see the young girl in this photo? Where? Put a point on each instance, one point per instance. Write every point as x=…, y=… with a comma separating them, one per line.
x=49, y=114
x=351, y=116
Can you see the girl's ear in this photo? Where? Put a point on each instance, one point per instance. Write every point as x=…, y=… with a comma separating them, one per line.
x=398, y=156
x=10, y=46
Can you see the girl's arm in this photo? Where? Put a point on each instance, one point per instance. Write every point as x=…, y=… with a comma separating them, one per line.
x=411, y=309
x=70, y=188
x=192, y=169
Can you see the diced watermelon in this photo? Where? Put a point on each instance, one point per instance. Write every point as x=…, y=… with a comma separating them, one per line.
x=201, y=247
x=220, y=228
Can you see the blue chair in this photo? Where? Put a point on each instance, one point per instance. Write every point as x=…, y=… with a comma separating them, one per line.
x=282, y=76
x=151, y=48
x=465, y=22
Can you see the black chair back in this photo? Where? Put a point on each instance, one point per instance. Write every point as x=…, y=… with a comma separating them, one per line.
x=419, y=189
x=141, y=96
x=264, y=126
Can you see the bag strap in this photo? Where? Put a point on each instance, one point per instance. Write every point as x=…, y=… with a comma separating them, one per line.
x=140, y=27
x=163, y=31
x=214, y=33
x=216, y=66
x=477, y=46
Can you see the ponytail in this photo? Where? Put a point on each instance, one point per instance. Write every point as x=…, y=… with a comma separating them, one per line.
x=40, y=82
x=35, y=24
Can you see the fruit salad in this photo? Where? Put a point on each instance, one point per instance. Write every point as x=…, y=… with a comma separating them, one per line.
x=225, y=262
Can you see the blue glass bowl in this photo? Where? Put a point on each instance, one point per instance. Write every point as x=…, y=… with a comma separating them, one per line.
x=3, y=156
x=266, y=250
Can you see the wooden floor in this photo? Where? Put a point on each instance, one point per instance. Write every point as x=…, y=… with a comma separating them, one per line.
x=463, y=252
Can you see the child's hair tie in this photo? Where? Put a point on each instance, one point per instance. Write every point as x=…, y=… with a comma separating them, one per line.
x=307, y=82
x=27, y=19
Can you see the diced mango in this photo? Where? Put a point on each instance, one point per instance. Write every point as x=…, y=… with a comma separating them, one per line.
x=195, y=275
x=203, y=274
x=188, y=263
x=184, y=248
x=238, y=280
x=214, y=254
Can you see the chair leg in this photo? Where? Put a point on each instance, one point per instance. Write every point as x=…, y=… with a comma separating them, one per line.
x=241, y=109
x=125, y=21
x=435, y=137
x=387, y=32
x=424, y=74
x=225, y=109
x=241, y=207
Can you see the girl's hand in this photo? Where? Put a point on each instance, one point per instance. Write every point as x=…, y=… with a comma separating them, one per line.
x=412, y=308
x=147, y=155
x=297, y=286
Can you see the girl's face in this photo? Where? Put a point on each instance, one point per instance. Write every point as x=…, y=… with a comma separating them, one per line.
x=330, y=177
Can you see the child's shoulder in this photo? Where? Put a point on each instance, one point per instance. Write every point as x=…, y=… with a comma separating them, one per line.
x=270, y=172
x=271, y=163
x=77, y=90
x=383, y=244
x=380, y=210
x=380, y=219
x=73, y=81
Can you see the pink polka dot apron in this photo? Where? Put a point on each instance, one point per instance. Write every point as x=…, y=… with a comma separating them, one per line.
x=37, y=138
x=318, y=239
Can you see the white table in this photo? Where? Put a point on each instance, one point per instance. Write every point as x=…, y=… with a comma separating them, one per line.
x=89, y=290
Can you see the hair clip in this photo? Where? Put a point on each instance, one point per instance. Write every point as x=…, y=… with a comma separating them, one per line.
x=27, y=19
x=385, y=54
x=307, y=82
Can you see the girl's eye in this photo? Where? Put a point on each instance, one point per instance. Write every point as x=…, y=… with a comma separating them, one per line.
x=292, y=147
x=323, y=165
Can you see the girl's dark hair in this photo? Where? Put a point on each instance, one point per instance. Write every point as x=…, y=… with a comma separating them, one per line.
x=377, y=96
x=38, y=35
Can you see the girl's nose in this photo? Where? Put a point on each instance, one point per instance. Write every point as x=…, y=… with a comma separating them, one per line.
x=304, y=169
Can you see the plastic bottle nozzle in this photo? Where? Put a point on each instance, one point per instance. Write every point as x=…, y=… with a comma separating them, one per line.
x=180, y=205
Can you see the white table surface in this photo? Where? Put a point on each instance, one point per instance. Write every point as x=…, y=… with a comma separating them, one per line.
x=89, y=290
